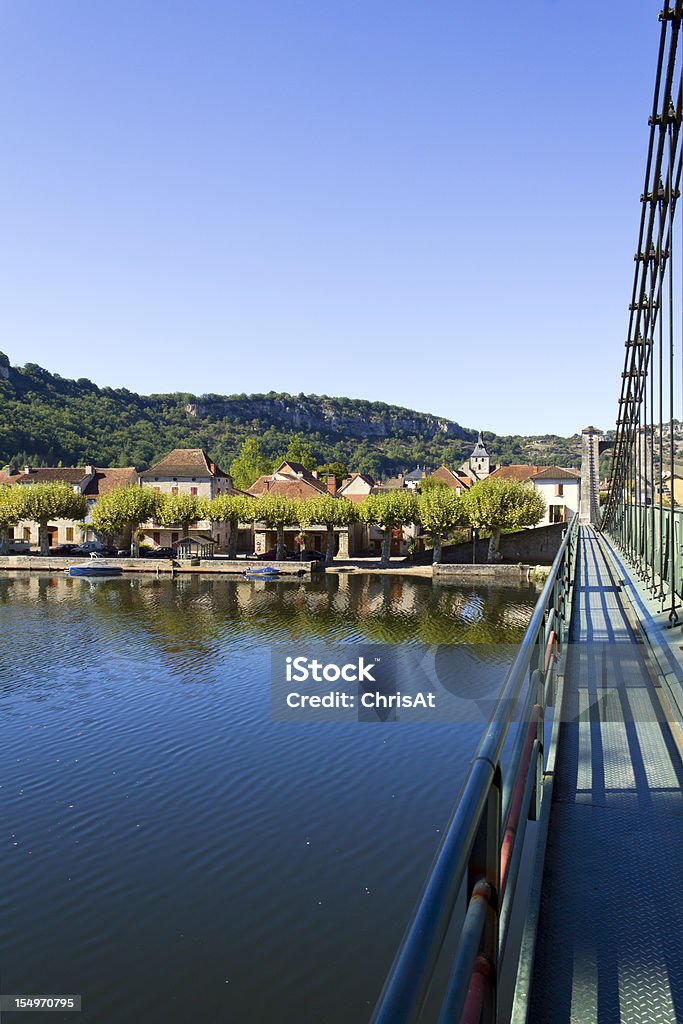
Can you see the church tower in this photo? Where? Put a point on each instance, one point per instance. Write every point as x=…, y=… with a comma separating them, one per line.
x=480, y=462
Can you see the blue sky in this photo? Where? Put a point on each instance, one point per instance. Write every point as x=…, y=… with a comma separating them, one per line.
x=431, y=204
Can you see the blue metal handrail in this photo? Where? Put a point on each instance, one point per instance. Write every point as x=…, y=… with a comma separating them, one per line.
x=471, y=846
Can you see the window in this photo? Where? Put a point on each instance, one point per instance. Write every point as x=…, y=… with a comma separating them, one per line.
x=27, y=533
x=193, y=490
x=69, y=533
x=174, y=492
x=157, y=490
x=156, y=537
x=559, y=490
x=556, y=513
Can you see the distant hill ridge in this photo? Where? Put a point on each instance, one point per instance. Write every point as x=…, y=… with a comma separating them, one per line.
x=48, y=419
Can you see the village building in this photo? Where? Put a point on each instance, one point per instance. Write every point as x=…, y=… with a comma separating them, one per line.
x=102, y=482
x=456, y=480
x=672, y=487
x=190, y=471
x=560, y=489
x=357, y=487
x=293, y=480
x=60, y=531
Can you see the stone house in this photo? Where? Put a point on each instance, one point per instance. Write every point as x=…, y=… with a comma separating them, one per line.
x=560, y=488
x=60, y=531
x=293, y=480
x=189, y=471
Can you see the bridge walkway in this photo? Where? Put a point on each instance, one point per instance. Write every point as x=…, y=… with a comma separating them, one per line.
x=610, y=941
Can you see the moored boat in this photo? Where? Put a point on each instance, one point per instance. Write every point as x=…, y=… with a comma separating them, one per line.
x=266, y=573
x=94, y=570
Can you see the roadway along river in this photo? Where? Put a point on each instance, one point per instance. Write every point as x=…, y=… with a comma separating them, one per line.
x=169, y=851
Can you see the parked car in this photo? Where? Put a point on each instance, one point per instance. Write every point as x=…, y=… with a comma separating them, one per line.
x=309, y=555
x=63, y=549
x=161, y=553
x=271, y=554
x=94, y=547
x=19, y=547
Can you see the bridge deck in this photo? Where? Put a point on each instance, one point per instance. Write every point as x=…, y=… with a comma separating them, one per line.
x=610, y=942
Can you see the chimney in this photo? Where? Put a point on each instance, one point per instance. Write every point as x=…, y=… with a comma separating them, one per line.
x=347, y=481
x=89, y=470
x=27, y=469
x=314, y=472
x=331, y=485
x=399, y=476
x=6, y=470
x=212, y=467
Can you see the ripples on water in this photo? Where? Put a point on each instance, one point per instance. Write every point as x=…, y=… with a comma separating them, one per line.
x=170, y=852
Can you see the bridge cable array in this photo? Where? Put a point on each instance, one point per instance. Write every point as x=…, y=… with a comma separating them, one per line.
x=640, y=511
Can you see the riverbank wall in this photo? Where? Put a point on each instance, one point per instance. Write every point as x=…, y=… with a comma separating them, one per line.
x=156, y=566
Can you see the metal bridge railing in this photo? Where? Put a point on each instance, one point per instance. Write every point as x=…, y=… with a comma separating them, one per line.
x=651, y=538
x=482, y=845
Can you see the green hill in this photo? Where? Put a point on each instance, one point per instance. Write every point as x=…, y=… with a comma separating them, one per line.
x=48, y=419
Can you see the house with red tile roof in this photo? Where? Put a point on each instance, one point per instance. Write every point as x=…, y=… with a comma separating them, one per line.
x=60, y=531
x=357, y=487
x=190, y=471
x=560, y=488
x=293, y=480
x=456, y=480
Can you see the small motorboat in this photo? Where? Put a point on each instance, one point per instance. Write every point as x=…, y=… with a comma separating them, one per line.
x=94, y=570
x=268, y=572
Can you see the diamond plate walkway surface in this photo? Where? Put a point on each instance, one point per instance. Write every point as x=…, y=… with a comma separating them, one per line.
x=610, y=940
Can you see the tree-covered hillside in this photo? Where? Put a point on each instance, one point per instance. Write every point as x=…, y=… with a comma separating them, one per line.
x=47, y=419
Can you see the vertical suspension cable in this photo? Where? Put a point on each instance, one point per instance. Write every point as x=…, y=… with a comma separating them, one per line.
x=673, y=614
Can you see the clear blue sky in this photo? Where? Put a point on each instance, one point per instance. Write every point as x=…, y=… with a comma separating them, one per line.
x=433, y=204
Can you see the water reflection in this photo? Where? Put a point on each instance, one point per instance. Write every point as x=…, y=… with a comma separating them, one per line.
x=200, y=612
x=156, y=823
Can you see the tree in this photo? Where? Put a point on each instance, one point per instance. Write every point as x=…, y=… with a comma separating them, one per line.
x=233, y=509
x=440, y=510
x=388, y=511
x=181, y=510
x=275, y=512
x=11, y=511
x=45, y=501
x=430, y=483
x=299, y=450
x=249, y=465
x=498, y=504
x=122, y=509
x=327, y=511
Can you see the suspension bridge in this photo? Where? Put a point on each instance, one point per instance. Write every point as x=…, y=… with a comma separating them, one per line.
x=555, y=896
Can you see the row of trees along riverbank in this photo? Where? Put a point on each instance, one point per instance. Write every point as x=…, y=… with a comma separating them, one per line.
x=492, y=505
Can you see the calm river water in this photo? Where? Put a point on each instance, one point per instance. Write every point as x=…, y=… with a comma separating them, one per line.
x=171, y=853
